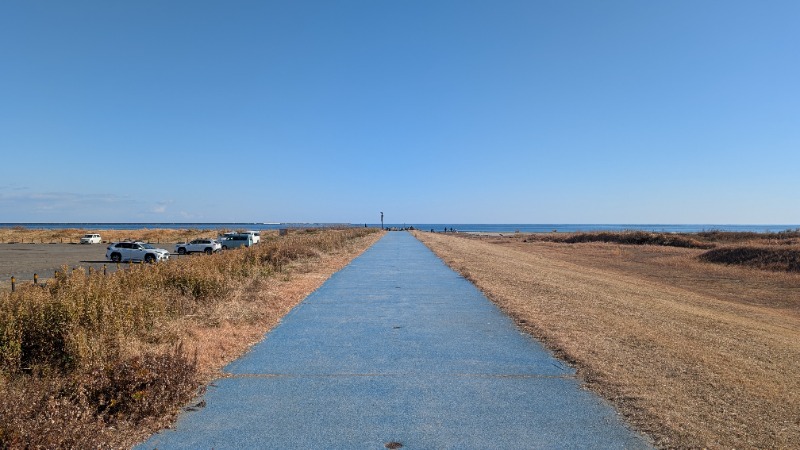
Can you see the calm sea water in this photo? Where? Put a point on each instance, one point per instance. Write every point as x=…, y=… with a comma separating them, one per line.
x=464, y=227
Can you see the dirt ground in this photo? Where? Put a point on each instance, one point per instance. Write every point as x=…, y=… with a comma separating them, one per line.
x=697, y=355
x=22, y=261
x=27, y=251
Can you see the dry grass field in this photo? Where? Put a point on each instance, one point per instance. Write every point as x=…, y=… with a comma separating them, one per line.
x=73, y=235
x=695, y=354
x=102, y=361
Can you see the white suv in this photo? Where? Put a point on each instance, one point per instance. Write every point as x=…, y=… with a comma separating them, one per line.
x=207, y=246
x=135, y=251
x=90, y=239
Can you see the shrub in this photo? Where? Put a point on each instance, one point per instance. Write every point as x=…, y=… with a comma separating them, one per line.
x=783, y=260
x=630, y=238
x=195, y=282
x=744, y=236
x=87, y=409
x=137, y=387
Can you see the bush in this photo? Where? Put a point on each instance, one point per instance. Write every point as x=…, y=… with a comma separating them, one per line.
x=782, y=260
x=86, y=410
x=630, y=238
x=138, y=387
x=744, y=236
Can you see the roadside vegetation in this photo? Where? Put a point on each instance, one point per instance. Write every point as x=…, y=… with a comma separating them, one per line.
x=94, y=360
x=693, y=353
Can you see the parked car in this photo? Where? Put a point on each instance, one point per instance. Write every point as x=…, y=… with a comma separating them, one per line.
x=135, y=251
x=256, y=236
x=207, y=246
x=91, y=239
x=230, y=240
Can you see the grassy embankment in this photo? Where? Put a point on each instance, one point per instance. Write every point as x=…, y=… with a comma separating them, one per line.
x=695, y=354
x=102, y=361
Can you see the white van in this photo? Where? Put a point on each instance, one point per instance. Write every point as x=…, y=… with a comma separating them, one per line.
x=256, y=236
x=233, y=240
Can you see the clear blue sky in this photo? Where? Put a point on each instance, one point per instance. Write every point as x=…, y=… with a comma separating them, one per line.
x=431, y=111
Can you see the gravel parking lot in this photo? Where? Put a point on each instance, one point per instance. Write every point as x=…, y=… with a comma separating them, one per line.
x=23, y=260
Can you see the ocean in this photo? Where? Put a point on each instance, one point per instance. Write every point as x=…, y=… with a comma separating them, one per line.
x=462, y=227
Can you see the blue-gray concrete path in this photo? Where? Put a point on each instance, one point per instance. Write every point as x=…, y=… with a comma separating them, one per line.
x=396, y=347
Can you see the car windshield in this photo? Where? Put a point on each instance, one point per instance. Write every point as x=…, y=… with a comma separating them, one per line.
x=147, y=246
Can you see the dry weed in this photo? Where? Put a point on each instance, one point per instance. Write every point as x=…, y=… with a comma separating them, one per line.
x=90, y=352
x=73, y=235
x=694, y=354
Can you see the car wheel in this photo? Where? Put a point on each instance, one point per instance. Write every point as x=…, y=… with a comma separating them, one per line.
x=149, y=258
x=209, y=251
x=116, y=257
x=224, y=247
x=181, y=251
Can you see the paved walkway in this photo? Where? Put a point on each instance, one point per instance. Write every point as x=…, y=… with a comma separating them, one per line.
x=397, y=347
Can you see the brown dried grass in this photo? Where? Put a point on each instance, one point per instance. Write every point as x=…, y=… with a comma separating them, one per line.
x=73, y=235
x=625, y=237
x=696, y=355
x=102, y=361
